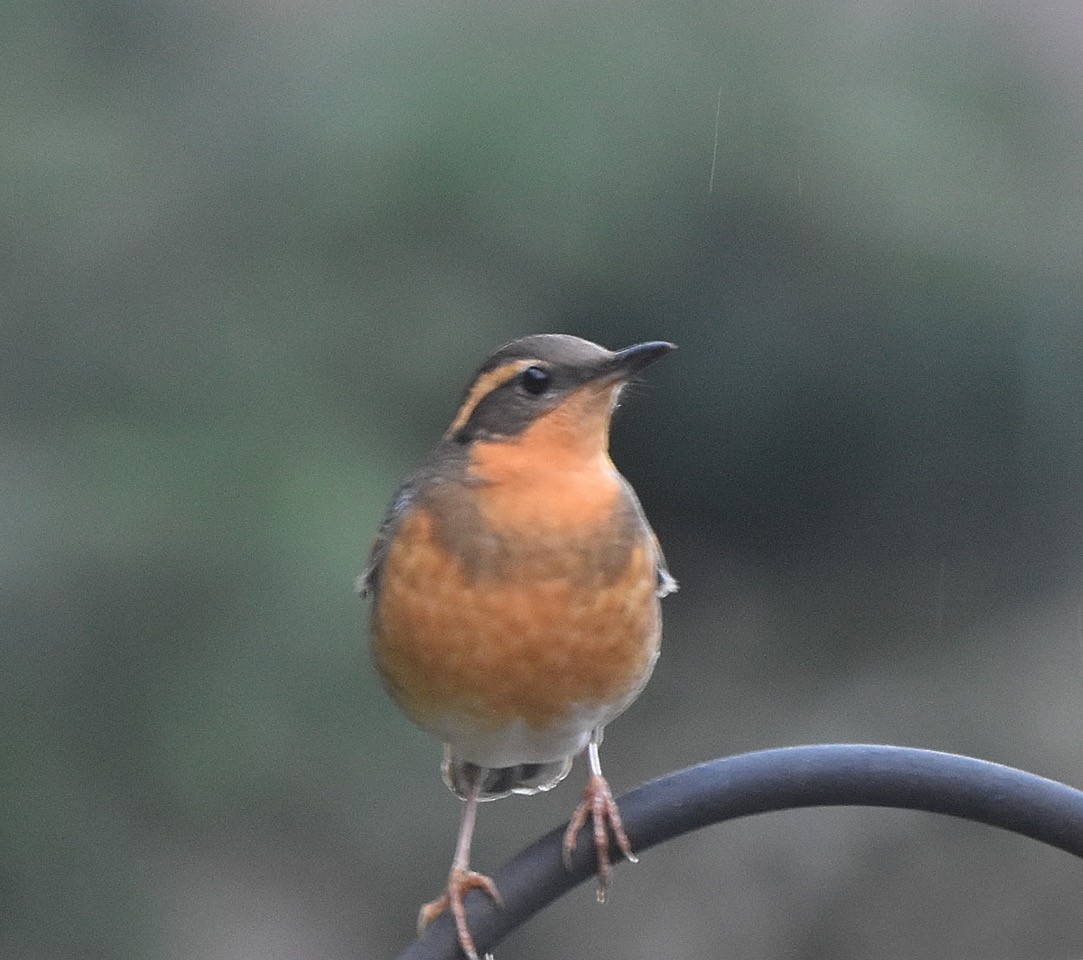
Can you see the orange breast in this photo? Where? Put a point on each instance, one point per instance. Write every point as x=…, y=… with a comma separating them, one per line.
x=554, y=620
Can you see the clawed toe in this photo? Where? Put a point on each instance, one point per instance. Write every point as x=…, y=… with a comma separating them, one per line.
x=459, y=883
x=599, y=805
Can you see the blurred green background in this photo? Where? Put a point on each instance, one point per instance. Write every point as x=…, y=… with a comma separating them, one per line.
x=250, y=254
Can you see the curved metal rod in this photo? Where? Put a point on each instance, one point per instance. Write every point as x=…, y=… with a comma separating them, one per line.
x=768, y=780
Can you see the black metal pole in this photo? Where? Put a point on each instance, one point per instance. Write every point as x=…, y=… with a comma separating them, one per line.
x=782, y=779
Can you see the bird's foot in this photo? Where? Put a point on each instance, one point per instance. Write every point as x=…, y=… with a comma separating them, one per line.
x=458, y=884
x=599, y=805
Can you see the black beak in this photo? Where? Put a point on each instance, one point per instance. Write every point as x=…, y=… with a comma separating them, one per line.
x=626, y=363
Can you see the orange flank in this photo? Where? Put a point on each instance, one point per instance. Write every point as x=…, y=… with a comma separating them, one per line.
x=496, y=651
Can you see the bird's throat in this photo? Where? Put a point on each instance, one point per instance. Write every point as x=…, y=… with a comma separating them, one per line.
x=556, y=473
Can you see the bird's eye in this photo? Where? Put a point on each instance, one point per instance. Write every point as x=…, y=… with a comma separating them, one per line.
x=535, y=380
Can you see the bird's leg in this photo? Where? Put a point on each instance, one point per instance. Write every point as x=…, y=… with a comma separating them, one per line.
x=461, y=879
x=599, y=805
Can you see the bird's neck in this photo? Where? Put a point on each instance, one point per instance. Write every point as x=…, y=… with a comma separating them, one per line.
x=556, y=473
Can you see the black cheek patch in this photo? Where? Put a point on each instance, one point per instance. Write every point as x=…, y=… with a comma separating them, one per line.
x=506, y=412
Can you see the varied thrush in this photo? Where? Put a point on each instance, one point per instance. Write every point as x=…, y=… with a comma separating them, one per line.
x=515, y=585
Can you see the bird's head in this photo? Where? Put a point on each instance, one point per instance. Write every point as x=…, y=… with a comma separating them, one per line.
x=551, y=395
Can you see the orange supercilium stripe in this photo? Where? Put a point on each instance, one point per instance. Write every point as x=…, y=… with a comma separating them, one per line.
x=482, y=387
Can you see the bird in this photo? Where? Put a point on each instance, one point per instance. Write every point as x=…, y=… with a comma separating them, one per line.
x=515, y=586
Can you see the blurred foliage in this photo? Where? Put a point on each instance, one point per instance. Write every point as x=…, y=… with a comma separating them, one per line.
x=252, y=252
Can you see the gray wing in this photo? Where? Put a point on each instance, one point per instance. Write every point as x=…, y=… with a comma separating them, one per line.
x=369, y=580
x=666, y=583
x=446, y=460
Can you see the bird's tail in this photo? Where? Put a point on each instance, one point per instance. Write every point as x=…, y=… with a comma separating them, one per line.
x=497, y=782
